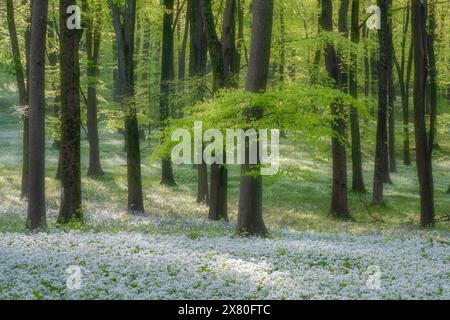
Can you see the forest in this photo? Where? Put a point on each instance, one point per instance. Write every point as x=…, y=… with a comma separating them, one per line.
x=224, y=149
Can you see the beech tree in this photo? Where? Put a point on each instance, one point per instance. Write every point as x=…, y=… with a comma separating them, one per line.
x=250, y=215
x=339, y=200
x=423, y=137
x=167, y=76
x=70, y=207
x=93, y=32
x=36, y=90
x=197, y=69
x=124, y=22
x=357, y=170
x=381, y=172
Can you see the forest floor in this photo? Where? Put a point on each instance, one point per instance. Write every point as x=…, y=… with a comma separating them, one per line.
x=175, y=252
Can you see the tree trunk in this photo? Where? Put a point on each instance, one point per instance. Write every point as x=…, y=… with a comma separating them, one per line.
x=403, y=80
x=124, y=29
x=339, y=201
x=167, y=76
x=36, y=197
x=423, y=147
x=93, y=41
x=357, y=170
x=218, y=53
x=381, y=171
x=197, y=68
x=23, y=94
x=70, y=207
x=250, y=216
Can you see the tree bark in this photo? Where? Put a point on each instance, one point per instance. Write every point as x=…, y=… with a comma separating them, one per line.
x=381, y=171
x=403, y=70
x=167, y=76
x=36, y=198
x=124, y=27
x=423, y=147
x=250, y=215
x=357, y=170
x=197, y=69
x=219, y=52
x=70, y=207
x=93, y=42
x=339, y=201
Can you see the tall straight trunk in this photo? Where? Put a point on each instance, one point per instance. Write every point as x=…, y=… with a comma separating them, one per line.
x=339, y=201
x=70, y=207
x=36, y=197
x=198, y=56
x=182, y=55
x=432, y=81
x=403, y=68
x=218, y=53
x=282, y=66
x=385, y=71
x=124, y=22
x=93, y=41
x=423, y=146
x=343, y=30
x=240, y=32
x=167, y=76
x=357, y=170
x=23, y=95
x=229, y=48
x=250, y=215
x=392, y=166
x=391, y=136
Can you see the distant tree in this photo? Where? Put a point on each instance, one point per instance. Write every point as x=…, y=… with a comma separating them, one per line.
x=357, y=176
x=250, y=215
x=424, y=141
x=36, y=90
x=93, y=32
x=404, y=68
x=23, y=94
x=124, y=22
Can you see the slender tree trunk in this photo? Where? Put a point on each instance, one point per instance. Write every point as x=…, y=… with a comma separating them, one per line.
x=36, y=197
x=250, y=215
x=70, y=207
x=93, y=41
x=357, y=177
x=167, y=76
x=385, y=70
x=124, y=27
x=23, y=94
x=423, y=147
x=432, y=81
x=197, y=69
x=403, y=80
x=218, y=52
x=339, y=201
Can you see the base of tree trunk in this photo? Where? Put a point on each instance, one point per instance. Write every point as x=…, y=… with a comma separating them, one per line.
x=97, y=172
x=167, y=174
x=218, y=202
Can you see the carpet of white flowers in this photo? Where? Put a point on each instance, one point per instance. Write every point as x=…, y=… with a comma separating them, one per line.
x=292, y=265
